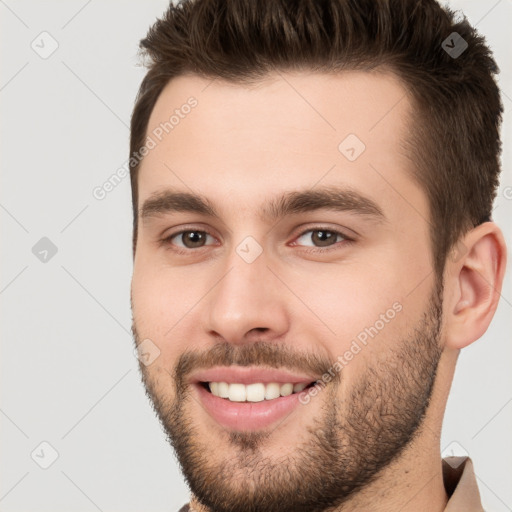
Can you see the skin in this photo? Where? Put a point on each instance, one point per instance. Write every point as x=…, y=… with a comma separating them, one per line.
x=238, y=147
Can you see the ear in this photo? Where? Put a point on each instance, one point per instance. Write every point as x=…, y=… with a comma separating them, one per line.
x=473, y=279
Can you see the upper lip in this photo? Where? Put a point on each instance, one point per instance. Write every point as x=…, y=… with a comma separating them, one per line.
x=249, y=375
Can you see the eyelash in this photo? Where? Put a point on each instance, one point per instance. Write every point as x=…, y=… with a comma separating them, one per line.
x=347, y=240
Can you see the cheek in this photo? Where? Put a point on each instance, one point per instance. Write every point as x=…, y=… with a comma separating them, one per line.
x=153, y=314
x=348, y=299
x=367, y=308
x=164, y=301
x=157, y=295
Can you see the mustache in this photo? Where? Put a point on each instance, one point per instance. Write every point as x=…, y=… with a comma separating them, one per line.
x=258, y=353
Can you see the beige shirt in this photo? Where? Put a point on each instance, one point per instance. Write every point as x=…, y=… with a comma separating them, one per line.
x=459, y=482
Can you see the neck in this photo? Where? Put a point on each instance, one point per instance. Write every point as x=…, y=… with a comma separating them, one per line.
x=414, y=483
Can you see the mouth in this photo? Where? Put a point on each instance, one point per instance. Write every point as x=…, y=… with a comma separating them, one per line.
x=249, y=399
x=256, y=392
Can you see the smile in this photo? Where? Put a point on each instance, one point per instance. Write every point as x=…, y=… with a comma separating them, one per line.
x=257, y=392
x=248, y=399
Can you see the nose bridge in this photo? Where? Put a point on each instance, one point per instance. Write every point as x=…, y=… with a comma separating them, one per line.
x=246, y=297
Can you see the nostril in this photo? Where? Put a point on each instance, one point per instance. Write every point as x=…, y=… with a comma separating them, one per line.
x=260, y=329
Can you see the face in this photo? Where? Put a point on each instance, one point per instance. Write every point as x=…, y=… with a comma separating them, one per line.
x=283, y=286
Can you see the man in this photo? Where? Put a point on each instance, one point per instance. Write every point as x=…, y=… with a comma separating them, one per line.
x=312, y=188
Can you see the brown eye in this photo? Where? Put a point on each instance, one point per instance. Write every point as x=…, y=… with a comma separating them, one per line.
x=191, y=239
x=321, y=237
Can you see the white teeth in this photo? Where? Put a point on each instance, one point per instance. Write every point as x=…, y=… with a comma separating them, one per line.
x=286, y=389
x=237, y=392
x=272, y=390
x=223, y=390
x=256, y=392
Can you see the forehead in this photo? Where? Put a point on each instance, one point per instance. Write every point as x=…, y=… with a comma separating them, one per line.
x=289, y=131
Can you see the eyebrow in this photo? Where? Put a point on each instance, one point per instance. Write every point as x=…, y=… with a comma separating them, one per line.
x=294, y=202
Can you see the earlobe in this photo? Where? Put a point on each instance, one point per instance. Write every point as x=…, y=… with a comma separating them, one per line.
x=475, y=282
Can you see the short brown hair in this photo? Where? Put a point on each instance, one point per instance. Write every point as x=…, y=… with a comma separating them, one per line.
x=455, y=139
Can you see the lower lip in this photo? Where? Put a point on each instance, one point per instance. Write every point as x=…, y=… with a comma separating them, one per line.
x=247, y=416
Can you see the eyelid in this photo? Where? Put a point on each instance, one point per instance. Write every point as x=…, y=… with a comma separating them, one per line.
x=320, y=250
x=166, y=239
x=347, y=233
x=348, y=239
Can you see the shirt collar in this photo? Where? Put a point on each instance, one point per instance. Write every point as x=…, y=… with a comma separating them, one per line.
x=460, y=484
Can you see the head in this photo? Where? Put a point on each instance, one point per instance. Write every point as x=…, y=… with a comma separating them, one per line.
x=336, y=167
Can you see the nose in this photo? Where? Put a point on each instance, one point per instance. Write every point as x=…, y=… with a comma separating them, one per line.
x=248, y=303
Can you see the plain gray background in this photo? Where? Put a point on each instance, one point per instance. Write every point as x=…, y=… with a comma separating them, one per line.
x=68, y=374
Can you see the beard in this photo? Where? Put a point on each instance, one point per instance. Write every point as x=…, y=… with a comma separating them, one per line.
x=341, y=452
